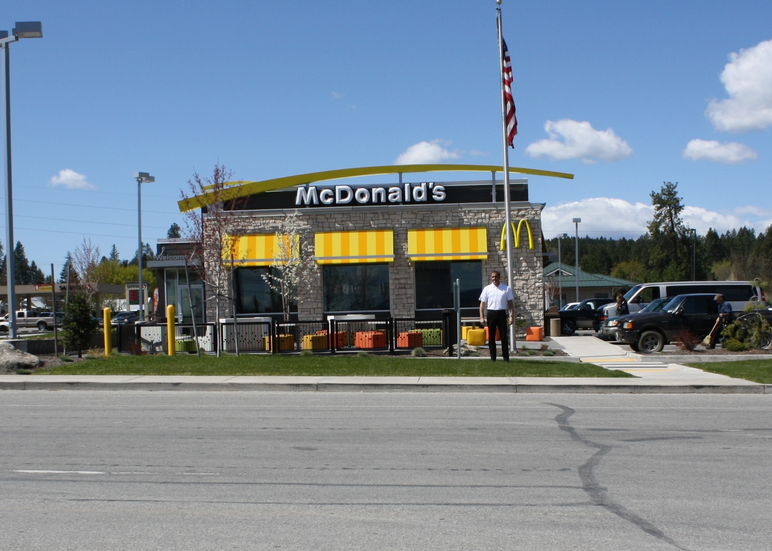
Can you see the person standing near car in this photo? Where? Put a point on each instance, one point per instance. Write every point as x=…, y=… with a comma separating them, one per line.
x=499, y=301
x=621, y=309
x=724, y=317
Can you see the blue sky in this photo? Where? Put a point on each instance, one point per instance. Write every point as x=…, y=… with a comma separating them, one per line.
x=624, y=95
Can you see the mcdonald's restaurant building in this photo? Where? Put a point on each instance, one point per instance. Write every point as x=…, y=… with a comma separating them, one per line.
x=386, y=249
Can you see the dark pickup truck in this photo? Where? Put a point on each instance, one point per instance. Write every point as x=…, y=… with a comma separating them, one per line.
x=584, y=316
x=650, y=332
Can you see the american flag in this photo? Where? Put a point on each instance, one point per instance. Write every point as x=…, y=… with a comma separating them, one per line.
x=508, y=100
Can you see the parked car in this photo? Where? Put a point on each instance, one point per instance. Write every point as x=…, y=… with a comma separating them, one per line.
x=569, y=306
x=737, y=293
x=581, y=317
x=608, y=328
x=651, y=331
x=125, y=318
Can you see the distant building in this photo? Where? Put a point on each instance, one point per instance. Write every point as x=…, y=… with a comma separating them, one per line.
x=590, y=285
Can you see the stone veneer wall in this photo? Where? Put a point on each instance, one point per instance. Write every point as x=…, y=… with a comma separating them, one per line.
x=527, y=263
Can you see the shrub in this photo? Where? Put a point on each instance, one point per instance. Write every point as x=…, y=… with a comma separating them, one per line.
x=78, y=326
x=549, y=353
x=135, y=348
x=306, y=353
x=750, y=329
x=65, y=358
x=363, y=354
x=733, y=345
x=419, y=352
x=686, y=340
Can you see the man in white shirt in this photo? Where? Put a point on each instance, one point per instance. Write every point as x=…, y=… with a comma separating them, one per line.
x=499, y=300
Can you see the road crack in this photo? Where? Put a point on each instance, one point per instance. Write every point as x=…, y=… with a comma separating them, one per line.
x=598, y=494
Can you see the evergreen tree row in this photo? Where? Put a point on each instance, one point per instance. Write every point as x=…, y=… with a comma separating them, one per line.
x=671, y=251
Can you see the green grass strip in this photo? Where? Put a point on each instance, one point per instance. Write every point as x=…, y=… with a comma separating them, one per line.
x=327, y=366
x=758, y=371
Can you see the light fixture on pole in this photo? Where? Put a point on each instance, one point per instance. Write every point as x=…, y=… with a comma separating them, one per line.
x=576, y=270
x=141, y=178
x=560, y=272
x=24, y=29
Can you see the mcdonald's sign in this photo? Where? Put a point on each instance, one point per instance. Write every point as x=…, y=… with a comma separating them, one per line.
x=516, y=231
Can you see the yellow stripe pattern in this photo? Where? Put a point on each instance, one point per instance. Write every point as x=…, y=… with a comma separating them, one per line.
x=253, y=250
x=354, y=247
x=447, y=244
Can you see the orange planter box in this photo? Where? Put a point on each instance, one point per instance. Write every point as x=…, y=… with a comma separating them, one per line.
x=410, y=339
x=487, y=335
x=339, y=338
x=534, y=334
x=370, y=339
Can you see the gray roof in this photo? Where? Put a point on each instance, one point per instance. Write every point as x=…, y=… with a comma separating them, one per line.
x=586, y=280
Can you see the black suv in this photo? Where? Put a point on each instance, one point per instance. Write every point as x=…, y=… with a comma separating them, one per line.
x=650, y=332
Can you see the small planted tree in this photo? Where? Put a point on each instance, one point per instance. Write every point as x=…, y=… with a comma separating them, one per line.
x=292, y=268
x=79, y=326
x=214, y=231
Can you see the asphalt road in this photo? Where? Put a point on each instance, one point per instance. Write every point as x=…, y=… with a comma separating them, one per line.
x=314, y=471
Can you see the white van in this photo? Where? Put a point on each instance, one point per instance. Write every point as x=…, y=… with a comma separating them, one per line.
x=737, y=293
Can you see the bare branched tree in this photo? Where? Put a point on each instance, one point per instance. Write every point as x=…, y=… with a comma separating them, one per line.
x=214, y=229
x=293, y=268
x=85, y=263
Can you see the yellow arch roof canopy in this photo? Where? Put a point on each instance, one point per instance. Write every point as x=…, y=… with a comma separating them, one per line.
x=234, y=190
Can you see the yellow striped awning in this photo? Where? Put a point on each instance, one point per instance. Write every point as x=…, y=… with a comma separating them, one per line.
x=354, y=247
x=447, y=244
x=253, y=250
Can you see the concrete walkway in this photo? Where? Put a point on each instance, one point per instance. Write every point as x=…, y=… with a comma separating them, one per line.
x=655, y=375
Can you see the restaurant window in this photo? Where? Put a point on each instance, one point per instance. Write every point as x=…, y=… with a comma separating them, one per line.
x=254, y=295
x=434, y=283
x=356, y=287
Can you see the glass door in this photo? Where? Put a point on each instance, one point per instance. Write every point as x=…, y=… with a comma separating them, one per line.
x=183, y=303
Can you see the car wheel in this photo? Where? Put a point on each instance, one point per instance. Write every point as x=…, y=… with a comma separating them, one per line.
x=42, y=326
x=568, y=328
x=650, y=342
x=634, y=346
x=3, y=329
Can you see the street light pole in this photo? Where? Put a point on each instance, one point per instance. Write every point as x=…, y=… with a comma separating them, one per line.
x=576, y=270
x=560, y=272
x=26, y=29
x=142, y=178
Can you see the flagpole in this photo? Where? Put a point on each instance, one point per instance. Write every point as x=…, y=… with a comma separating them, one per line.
x=507, y=213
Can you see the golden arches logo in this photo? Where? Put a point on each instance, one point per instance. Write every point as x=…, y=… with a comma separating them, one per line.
x=516, y=231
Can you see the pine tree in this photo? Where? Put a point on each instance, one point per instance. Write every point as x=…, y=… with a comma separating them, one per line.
x=78, y=326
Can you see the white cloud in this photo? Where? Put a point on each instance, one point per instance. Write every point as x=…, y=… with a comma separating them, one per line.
x=571, y=139
x=731, y=153
x=617, y=218
x=71, y=180
x=748, y=81
x=426, y=153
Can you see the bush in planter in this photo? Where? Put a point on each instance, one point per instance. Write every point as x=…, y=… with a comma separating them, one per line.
x=733, y=345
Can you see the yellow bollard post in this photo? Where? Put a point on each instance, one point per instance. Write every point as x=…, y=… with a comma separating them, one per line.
x=107, y=317
x=171, y=337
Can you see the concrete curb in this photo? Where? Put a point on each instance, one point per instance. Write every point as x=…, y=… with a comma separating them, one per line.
x=372, y=384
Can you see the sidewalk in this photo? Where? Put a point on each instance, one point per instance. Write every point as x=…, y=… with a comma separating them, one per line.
x=653, y=375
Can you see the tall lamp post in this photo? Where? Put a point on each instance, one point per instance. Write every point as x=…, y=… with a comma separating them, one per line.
x=560, y=272
x=25, y=29
x=141, y=178
x=576, y=270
